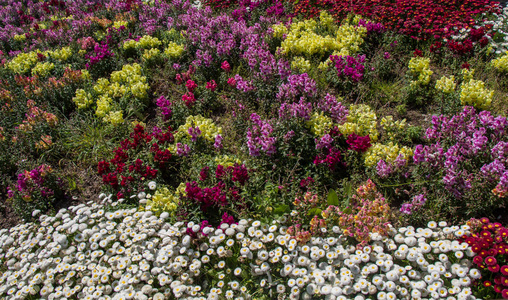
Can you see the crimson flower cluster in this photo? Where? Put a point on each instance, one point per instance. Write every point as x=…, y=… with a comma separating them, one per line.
x=223, y=193
x=489, y=243
x=358, y=143
x=415, y=18
x=125, y=173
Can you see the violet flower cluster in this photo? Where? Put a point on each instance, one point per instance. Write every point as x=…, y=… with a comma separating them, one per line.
x=466, y=146
x=101, y=53
x=297, y=110
x=299, y=85
x=349, y=66
x=259, y=137
x=165, y=107
x=334, y=108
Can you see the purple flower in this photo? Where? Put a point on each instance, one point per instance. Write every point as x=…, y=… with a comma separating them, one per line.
x=324, y=142
x=218, y=142
x=258, y=137
x=383, y=169
x=406, y=208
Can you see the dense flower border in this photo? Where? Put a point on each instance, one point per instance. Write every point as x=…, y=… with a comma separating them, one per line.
x=89, y=253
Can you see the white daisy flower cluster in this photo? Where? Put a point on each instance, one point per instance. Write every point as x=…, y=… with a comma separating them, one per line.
x=500, y=26
x=85, y=252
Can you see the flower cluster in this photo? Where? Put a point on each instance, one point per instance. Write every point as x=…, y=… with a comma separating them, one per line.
x=367, y=214
x=174, y=50
x=320, y=124
x=473, y=92
x=413, y=18
x=259, y=137
x=361, y=120
x=446, y=85
x=124, y=82
x=145, y=42
x=419, y=69
x=126, y=173
x=298, y=86
x=489, y=244
x=37, y=189
x=501, y=63
x=101, y=53
x=195, y=127
x=389, y=153
x=349, y=66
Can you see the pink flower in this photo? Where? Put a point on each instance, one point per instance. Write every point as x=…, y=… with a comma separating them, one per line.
x=211, y=85
x=191, y=85
x=232, y=82
x=225, y=66
x=189, y=99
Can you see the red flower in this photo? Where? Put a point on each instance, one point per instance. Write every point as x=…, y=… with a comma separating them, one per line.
x=189, y=99
x=504, y=270
x=358, y=143
x=211, y=85
x=203, y=174
x=191, y=85
x=418, y=53
x=490, y=261
x=225, y=66
x=232, y=82
x=494, y=269
x=478, y=260
x=505, y=294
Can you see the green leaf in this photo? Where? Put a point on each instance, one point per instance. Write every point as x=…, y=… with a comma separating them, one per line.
x=279, y=210
x=347, y=210
x=314, y=212
x=348, y=189
x=333, y=199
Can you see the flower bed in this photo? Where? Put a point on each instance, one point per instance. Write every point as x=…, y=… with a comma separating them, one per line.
x=246, y=150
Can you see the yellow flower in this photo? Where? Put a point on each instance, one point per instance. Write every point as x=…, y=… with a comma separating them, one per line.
x=151, y=54
x=118, y=24
x=361, y=120
x=319, y=124
x=114, y=117
x=82, y=99
x=103, y=106
x=226, y=160
x=501, y=63
x=174, y=50
x=20, y=37
x=446, y=85
x=467, y=74
x=61, y=54
x=208, y=129
x=388, y=153
x=43, y=69
x=301, y=64
x=473, y=93
x=419, y=67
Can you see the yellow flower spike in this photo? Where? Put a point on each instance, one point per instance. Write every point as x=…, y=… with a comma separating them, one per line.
x=473, y=93
x=174, y=50
x=114, y=117
x=501, y=63
x=103, y=106
x=42, y=69
x=362, y=121
x=446, y=85
x=319, y=124
x=82, y=99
